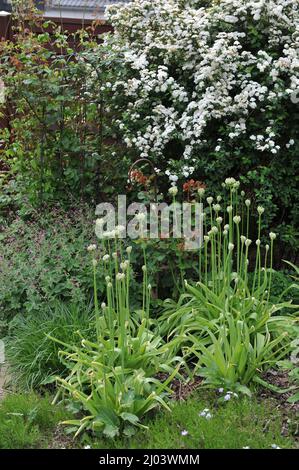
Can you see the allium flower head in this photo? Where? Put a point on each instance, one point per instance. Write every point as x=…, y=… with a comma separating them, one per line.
x=209, y=200
x=216, y=207
x=260, y=210
x=247, y=202
x=231, y=246
x=201, y=192
x=272, y=235
x=173, y=191
x=237, y=219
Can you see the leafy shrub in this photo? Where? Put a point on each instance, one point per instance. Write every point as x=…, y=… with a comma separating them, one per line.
x=43, y=260
x=59, y=124
x=207, y=88
x=32, y=357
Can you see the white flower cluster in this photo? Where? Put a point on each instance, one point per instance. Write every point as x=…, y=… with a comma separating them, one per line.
x=185, y=67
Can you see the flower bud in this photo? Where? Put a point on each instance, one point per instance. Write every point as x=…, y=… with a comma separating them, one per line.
x=173, y=191
x=272, y=235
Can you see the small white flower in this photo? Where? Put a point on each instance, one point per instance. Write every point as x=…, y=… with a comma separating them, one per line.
x=120, y=276
x=114, y=255
x=243, y=239
x=143, y=268
x=91, y=248
x=103, y=305
x=225, y=233
x=216, y=207
x=246, y=447
x=124, y=265
x=248, y=242
x=206, y=238
x=87, y=447
x=229, y=209
x=107, y=279
x=226, y=227
x=275, y=446
x=201, y=192
x=94, y=262
x=230, y=182
x=227, y=397
x=214, y=230
x=272, y=235
x=129, y=250
x=267, y=247
x=237, y=219
x=173, y=191
x=258, y=242
x=184, y=433
x=231, y=246
x=219, y=198
x=221, y=390
x=106, y=258
x=219, y=220
x=209, y=200
x=260, y=210
x=247, y=202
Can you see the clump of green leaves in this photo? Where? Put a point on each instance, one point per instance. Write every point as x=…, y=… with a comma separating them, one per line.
x=228, y=323
x=113, y=381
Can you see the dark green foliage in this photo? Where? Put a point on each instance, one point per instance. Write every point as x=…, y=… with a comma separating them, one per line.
x=33, y=358
x=44, y=259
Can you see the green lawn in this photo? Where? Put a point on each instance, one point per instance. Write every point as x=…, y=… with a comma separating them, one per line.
x=30, y=421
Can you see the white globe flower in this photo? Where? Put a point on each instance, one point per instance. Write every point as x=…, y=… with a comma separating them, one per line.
x=173, y=191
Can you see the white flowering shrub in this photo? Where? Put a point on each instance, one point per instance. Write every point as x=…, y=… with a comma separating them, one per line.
x=210, y=88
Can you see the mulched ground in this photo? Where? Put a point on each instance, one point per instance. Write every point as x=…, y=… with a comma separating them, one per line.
x=289, y=411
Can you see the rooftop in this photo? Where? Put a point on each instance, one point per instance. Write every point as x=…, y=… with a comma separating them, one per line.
x=88, y=9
